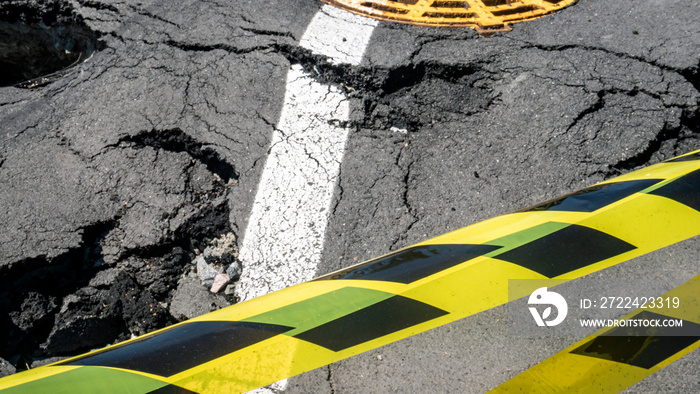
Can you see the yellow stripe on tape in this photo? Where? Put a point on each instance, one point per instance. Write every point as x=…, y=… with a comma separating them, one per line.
x=429, y=284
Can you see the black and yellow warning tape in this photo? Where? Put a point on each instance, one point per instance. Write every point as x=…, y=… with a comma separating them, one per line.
x=258, y=342
x=618, y=357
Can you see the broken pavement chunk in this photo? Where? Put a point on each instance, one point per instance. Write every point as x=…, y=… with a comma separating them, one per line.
x=192, y=300
x=6, y=368
x=205, y=272
x=234, y=270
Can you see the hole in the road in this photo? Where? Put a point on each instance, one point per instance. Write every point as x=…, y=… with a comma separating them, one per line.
x=486, y=16
x=39, y=45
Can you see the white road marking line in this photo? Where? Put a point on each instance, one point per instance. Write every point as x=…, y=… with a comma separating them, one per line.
x=284, y=239
x=338, y=34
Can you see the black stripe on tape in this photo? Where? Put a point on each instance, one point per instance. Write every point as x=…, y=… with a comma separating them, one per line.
x=182, y=347
x=171, y=389
x=566, y=250
x=643, y=347
x=685, y=190
x=412, y=264
x=374, y=321
x=594, y=197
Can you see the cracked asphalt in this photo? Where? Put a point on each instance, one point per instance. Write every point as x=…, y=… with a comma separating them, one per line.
x=116, y=175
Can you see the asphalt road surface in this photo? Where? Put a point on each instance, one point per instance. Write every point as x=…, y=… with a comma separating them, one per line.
x=118, y=173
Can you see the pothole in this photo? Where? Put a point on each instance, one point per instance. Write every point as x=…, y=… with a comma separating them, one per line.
x=486, y=16
x=41, y=41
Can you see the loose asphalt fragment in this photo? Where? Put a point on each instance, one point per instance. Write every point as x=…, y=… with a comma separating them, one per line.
x=206, y=272
x=191, y=299
x=217, y=259
x=6, y=368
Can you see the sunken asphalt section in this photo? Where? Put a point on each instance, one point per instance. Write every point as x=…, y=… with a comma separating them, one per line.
x=116, y=176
